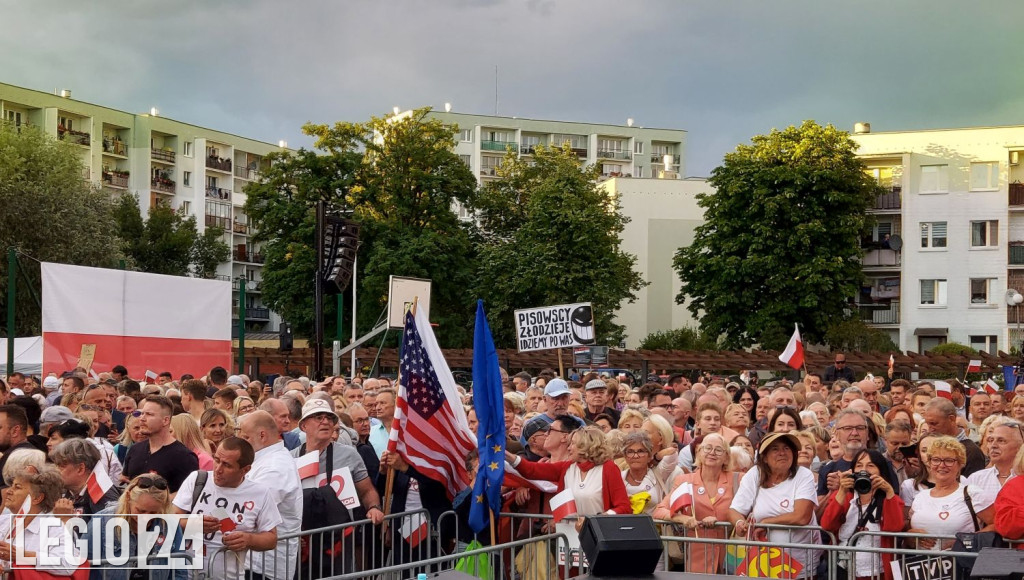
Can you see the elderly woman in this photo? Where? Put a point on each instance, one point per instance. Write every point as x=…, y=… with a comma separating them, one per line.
x=943, y=510
x=39, y=489
x=243, y=406
x=643, y=486
x=75, y=460
x=216, y=426
x=147, y=494
x=713, y=488
x=737, y=418
x=1016, y=408
x=880, y=509
x=778, y=491
x=630, y=420
x=594, y=479
x=666, y=454
x=807, y=457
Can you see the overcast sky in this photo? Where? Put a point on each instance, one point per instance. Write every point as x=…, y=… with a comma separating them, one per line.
x=722, y=70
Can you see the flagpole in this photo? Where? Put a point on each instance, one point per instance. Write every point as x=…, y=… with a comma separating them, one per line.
x=390, y=484
x=561, y=366
x=493, y=540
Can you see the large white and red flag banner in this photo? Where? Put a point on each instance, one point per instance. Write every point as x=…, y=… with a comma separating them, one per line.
x=143, y=321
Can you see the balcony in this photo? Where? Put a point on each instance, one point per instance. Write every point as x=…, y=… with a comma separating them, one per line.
x=162, y=156
x=213, y=221
x=257, y=314
x=1017, y=195
x=240, y=228
x=614, y=154
x=580, y=151
x=115, y=147
x=501, y=146
x=1016, y=254
x=118, y=179
x=76, y=137
x=891, y=200
x=246, y=173
x=489, y=171
x=222, y=277
x=162, y=185
x=881, y=258
x=660, y=158
x=880, y=313
x=529, y=149
x=250, y=286
x=218, y=193
x=218, y=164
x=250, y=257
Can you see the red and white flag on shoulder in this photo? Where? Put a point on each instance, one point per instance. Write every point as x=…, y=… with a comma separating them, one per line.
x=944, y=390
x=99, y=483
x=681, y=497
x=794, y=353
x=308, y=465
x=563, y=505
x=974, y=366
x=515, y=479
x=415, y=529
x=991, y=387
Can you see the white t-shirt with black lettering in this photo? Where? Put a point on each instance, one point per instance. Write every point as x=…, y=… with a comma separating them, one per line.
x=250, y=505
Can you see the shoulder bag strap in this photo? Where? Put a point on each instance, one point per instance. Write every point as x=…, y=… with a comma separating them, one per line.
x=970, y=506
x=197, y=489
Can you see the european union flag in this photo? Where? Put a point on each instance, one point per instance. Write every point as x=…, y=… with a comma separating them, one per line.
x=488, y=400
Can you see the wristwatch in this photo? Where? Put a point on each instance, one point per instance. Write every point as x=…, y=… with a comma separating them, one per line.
x=374, y=507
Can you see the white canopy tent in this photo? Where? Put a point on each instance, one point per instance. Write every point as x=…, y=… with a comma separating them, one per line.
x=28, y=355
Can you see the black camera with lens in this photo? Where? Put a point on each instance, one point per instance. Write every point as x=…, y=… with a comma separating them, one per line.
x=862, y=482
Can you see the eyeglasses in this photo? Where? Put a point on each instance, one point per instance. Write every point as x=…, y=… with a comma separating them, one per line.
x=136, y=414
x=148, y=481
x=320, y=418
x=636, y=452
x=713, y=450
x=947, y=461
x=552, y=429
x=849, y=428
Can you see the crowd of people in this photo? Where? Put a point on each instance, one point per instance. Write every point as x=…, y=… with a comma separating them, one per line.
x=780, y=461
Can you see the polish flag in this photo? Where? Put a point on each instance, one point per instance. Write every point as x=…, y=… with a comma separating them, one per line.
x=151, y=374
x=515, y=479
x=95, y=376
x=892, y=362
x=414, y=529
x=140, y=320
x=226, y=523
x=991, y=387
x=943, y=389
x=682, y=497
x=563, y=505
x=974, y=366
x=308, y=465
x=794, y=353
x=99, y=483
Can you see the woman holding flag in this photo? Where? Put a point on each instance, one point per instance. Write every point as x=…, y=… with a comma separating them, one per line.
x=31, y=499
x=700, y=500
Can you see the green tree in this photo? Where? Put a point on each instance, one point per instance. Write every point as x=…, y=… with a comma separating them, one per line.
x=853, y=335
x=168, y=242
x=405, y=190
x=282, y=208
x=49, y=213
x=553, y=237
x=781, y=238
x=679, y=339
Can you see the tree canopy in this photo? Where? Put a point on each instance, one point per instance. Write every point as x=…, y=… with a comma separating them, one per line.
x=49, y=213
x=679, y=339
x=552, y=237
x=781, y=238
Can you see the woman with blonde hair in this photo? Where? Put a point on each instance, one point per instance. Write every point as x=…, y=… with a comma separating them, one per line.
x=217, y=426
x=243, y=406
x=131, y=435
x=737, y=418
x=665, y=456
x=630, y=420
x=147, y=494
x=184, y=429
x=1017, y=408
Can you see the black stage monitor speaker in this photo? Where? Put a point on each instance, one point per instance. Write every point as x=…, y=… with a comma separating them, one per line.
x=620, y=545
x=998, y=564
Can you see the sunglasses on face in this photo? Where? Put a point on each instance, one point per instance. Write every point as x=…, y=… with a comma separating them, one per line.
x=136, y=414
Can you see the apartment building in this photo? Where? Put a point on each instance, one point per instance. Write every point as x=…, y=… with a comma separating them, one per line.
x=198, y=171
x=948, y=246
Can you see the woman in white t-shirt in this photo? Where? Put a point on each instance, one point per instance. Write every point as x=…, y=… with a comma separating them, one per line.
x=778, y=491
x=943, y=510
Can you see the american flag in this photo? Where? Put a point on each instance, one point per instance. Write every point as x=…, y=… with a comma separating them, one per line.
x=430, y=430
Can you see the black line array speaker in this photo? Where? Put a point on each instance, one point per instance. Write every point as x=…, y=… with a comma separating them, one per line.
x=621, y=545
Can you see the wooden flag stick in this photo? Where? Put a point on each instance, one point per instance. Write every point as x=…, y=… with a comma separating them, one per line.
x=561, y=366
x=494, y=541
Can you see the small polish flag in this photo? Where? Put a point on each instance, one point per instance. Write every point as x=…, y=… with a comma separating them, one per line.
x=563, y=505
x=151, y=374
x=414, y=529
x=94, y=374
x=515, y=479
x=991, y=387
x=682, y=497
x=943, y=389
x=99, y=483
x=794, y=353
x=892, y=362
x=974, y=366
x=226, y=523
x=308, y=465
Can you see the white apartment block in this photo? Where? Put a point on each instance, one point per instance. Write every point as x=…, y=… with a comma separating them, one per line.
x=198, y=171
x=955, y=210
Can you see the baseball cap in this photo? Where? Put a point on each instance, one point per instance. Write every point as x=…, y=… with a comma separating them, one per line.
x=595, y=384
x=556, y=388
x=533, y=427
x=51, y=383
x=317, y=407
x=236, y=381
x=55, y=414
x=17, y=392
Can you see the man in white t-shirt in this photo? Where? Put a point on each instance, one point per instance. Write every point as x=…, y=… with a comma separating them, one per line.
x=274, y=468
x=238, y=515
x=1004, y=441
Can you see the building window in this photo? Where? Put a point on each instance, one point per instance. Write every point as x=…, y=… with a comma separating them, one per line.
x=980, y=290
x=67, y=123
x=985, y=234
x=933, y=234
x=575, y=141
x=884, y=176
x=187, y=149
x=185, y=207
x=984, y=176
x=211, y=182
x=638, y=147
x=934, y=179
x=611, y=170
x=639, y=172
x=933, y=292
x=186, y=179
x=986, y=343
x=489, y=164
x=466, y=135
x=926, y=343
x=465, y=159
